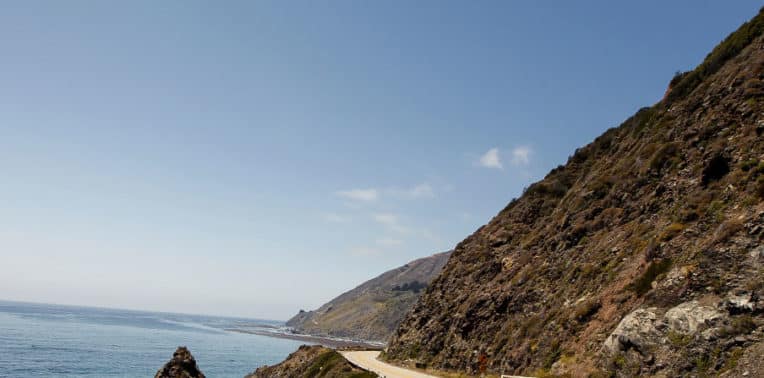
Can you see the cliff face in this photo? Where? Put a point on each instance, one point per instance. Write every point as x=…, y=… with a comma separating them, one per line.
x=642, y=255
x=312, y=361
x=372, y=310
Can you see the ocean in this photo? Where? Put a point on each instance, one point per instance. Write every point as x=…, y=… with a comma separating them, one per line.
x=41, y=340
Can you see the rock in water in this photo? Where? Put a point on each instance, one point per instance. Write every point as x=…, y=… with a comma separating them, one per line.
x=182, y=365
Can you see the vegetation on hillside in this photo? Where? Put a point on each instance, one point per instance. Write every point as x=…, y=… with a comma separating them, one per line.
x=655, y=222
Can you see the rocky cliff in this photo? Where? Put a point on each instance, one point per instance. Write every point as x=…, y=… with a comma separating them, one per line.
x=312, y=361
x=641, y=256
x=182, y=365
x=372, y=310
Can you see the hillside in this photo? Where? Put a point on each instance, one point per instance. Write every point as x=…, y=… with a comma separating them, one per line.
x=641, y=256
x=372, y=310
x=312, y=361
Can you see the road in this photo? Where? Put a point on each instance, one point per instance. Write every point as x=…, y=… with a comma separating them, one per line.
x=367, y=359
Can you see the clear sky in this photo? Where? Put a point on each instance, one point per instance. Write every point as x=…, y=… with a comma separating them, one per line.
x=257, y=157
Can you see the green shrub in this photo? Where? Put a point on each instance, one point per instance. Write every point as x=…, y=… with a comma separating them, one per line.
x=727, y=229
x=732, y=360
x=741, y=325
x=671, y=231
x=323, y=363
x=585, y=310
x=664, y=157
x=643, y=284
x=678, y=339
x=749, y=164
x=702, y=364
x=729, y=48
x=716, y=210
x=553, y=355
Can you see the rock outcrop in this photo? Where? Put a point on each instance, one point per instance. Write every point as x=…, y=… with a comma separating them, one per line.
x=312, y=361
x=182, y=365
x=371, y=311
x=641, y=256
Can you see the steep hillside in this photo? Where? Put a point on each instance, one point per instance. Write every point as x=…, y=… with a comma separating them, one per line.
x=372, y=310
x=312, y=361
x=642, y=256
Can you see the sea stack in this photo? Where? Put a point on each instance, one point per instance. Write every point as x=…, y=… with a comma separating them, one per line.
x=182, y=365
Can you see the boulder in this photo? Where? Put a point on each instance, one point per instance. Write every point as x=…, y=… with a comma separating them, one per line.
x=637, y=330
x=738, y=304
x=688, y=317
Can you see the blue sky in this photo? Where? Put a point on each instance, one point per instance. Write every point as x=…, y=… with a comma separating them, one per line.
x=255, y=158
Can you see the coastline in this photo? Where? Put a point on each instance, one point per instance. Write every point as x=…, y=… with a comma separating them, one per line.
x=330, y=342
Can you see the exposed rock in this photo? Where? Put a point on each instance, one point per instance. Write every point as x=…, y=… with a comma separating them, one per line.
x=690, y=316
x=738, y=304
x=758, y=253
x=182, y=365
x=638, y=330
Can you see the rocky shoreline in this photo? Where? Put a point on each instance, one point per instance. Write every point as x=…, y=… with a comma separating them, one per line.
x=330, y=342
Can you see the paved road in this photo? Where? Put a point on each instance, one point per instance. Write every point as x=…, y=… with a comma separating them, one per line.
x=368, y=360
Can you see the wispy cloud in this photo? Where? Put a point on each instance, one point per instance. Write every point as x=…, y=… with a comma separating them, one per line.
x=423, y=190
x=363, y=195
x=389, y=242
x=390, y=221
x=521, y=155
x=491, y=159
x=364, y=251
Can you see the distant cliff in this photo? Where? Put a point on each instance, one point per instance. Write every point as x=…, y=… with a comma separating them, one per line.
x=643, y=255
x=372, y=310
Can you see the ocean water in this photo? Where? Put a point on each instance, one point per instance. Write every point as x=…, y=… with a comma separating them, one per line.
x=40, y=340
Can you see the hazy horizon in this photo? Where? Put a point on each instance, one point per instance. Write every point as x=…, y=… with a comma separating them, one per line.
x=260, y=158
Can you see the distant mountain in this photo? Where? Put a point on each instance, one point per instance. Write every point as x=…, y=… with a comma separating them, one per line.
x=643, y=256
x=372, y=310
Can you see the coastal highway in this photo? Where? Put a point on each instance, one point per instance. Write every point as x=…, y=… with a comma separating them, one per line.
x=367, y=360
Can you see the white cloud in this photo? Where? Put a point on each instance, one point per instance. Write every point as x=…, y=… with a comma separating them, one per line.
x=336, y=218
x=491, y=159
x=389, y=220
x=421, y=191
x=389, y=242
x=521, y=155
x=364, y=195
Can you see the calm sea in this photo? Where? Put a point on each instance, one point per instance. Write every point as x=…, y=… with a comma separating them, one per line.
x=40, y=340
